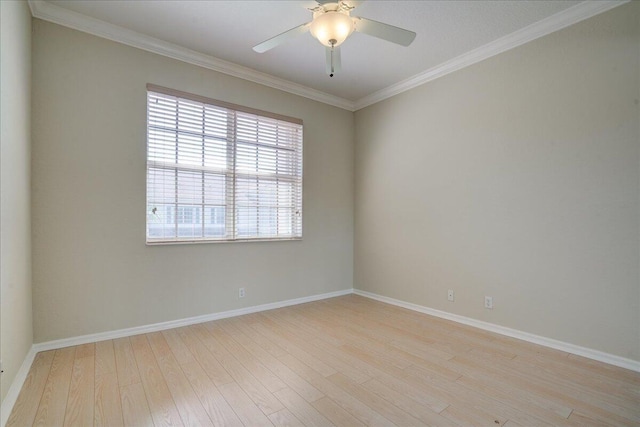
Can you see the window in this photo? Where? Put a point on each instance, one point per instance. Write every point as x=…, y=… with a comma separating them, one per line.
x=218, y=172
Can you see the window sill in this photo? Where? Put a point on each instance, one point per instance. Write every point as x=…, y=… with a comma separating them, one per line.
x=200, y=242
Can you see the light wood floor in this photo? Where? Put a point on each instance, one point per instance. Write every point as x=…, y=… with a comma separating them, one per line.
x=347, y=361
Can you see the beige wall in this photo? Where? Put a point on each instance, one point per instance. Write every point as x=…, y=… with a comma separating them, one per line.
x=91, y=269
x=16, y=332
x=518, y=178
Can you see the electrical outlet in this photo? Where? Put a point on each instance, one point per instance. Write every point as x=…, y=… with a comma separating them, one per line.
x=450, y=295
x=488, y=302
x=241, y=293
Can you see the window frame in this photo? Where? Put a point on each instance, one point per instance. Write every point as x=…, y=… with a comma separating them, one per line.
x=231, y=188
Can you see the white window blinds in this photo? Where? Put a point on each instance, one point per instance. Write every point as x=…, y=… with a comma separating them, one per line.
x=218, y=172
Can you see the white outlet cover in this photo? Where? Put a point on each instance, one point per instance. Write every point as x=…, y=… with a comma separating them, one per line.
x=488, y=302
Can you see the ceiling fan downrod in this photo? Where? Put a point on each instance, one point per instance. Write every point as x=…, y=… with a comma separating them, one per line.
x=331, y=24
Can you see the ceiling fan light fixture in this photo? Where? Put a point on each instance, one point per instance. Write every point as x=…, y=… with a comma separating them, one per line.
x=332, y=27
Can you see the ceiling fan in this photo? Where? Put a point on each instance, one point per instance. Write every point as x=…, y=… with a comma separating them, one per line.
x=332, y=24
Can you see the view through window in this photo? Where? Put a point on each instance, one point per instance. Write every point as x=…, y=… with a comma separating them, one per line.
x=218, y=172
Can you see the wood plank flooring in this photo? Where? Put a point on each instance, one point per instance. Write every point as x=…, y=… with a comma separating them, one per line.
x=347, y=361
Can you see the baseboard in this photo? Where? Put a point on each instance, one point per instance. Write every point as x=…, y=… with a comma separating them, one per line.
x=109, y=335
x=16, y=386
x=18, y=382
x=600, y=356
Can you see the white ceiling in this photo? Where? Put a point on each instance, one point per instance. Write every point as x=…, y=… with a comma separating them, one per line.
x=228, y=30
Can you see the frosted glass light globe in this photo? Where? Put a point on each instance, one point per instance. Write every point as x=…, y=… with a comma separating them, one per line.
x=332, y=25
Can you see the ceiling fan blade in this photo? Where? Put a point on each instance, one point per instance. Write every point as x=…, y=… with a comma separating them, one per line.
x=334, y=62
x=384, y=31
x=281, y=38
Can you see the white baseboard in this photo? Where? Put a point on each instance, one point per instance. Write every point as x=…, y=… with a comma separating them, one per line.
x=600, y=356
x=18, y=382
x=16, y=386
x=109, y=335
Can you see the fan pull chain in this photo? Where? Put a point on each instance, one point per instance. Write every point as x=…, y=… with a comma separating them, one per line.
x=333, y=43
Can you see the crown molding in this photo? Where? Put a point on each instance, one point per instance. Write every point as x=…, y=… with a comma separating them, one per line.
x=49, y=12
x=553, y=23
x=58, y=15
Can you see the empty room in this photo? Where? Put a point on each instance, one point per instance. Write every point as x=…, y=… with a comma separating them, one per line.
x=317, y=213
